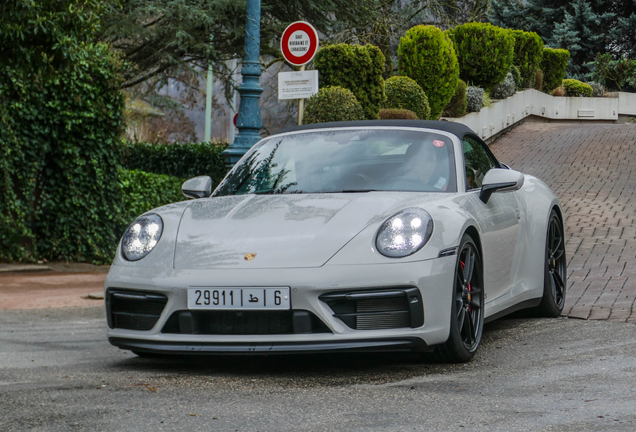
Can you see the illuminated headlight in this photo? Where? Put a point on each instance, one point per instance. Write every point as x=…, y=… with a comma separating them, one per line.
x=141, y=237
x=404, y=233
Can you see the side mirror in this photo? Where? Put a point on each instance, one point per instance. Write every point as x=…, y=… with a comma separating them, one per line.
x=500, y=180
x=197, y=187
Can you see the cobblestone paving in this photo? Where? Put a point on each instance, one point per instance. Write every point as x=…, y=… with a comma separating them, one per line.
x=592, y=169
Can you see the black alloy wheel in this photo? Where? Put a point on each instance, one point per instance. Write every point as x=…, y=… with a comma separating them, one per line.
x=555, y=270
x=467, y=310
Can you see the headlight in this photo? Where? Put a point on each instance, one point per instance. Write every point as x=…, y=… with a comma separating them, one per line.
x=141, y=237
x=404, y=233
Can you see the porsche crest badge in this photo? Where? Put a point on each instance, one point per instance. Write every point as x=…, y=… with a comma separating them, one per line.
x=249, y=256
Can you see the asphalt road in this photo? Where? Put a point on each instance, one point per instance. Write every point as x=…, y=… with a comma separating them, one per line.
x=58, y=373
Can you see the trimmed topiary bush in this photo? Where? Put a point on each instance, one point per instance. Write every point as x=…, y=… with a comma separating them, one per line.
x=484, y=52
x=458, y=103
x=474, y=99
x=504, y=89
x=333, y=104
x=356, y=68
x=553, y=66
x=528, y=54
x=403, y=92
x=397, y=113
x=538, y=80
x=427, y=56
x=597, y=89
x=575, y=88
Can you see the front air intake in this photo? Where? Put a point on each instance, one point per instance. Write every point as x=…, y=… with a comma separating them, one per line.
x=133, y=310
x=377, y=309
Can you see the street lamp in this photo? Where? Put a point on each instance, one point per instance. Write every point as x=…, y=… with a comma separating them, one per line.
x=249, y=120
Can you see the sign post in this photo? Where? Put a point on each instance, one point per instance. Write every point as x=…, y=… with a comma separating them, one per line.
x=299, y=44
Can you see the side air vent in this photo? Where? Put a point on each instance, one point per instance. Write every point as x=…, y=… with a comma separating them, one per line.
x=134, y=310
x=378, y=309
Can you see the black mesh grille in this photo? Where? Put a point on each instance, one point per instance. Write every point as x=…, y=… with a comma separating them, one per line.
x=134, y=310
x=378, y=309
x=244, y=323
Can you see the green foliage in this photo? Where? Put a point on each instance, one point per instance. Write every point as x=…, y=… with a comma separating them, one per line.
x=142, y=191
x=47, y=35
x=528, y=54
x=182, y=160
x=598, y=90
x=403, y=92
x=458, y=104
x=504, y=89
x=538, y=80
x=59, y=153
x=484, y=52
x=575, y=88
x=397, y=113
x=332, y=104
x=356, y=68
x=553, y=66
x=427, y=55
x=614, y=74
x=516, y=76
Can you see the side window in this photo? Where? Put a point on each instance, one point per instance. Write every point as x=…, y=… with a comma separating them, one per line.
x=477, y=161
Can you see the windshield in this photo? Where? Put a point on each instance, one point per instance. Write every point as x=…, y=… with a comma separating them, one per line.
x=344, y=161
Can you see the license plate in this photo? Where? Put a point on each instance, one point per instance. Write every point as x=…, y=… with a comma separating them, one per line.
x=239, y=298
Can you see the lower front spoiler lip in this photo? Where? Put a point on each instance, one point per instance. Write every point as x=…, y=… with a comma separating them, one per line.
x=220, y=348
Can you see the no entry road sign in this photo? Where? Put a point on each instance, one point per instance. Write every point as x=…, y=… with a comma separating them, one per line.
x=299, y=43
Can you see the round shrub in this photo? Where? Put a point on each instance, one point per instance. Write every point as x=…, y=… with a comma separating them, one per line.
x=427, y=56
x=553, y=66
x=597, y=89
x=357, y=68
x=484, y=52
x=403, y=92
x=474, y=99
x=528, y=55
x=504, y=89
x=575, y=88
x=333, y=104
x=458, y=103
x=516, y=75
x=538, y=80
x=397, y=113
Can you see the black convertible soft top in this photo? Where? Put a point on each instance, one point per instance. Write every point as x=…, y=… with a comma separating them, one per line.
x=455, y=128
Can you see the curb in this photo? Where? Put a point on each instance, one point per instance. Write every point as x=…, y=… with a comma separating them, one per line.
x=24, y=268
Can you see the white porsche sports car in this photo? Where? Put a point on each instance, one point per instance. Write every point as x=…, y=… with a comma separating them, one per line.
x=396, y=235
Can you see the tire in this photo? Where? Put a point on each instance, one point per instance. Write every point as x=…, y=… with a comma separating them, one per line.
x=467, y=307
x=555, y=269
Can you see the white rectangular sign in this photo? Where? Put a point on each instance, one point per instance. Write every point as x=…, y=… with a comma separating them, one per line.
x=297, y=85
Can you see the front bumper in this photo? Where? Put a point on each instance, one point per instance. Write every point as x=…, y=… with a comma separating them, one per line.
x=433, y=278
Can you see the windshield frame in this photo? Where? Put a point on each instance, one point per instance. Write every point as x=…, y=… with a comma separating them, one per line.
x=455, y=163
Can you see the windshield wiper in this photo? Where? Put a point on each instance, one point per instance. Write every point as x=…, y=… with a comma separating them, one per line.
x=355, y=191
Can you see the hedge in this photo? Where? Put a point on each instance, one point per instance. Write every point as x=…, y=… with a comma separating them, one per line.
x=575, y=88
x=484, y=52
x=528, y=53
x=404, y=93
x=427, y=55
x=59, y=153
x=553, y=66
x=356, y=68
x=458, y=104
x=332, y=104
x=397, y=113
x=183, y=160
x=142, y=191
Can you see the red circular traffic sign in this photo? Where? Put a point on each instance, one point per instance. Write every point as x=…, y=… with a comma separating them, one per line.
x=299, y=43
x=234, y=119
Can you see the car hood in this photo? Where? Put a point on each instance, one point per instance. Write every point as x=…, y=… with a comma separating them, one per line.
x=282, y=231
